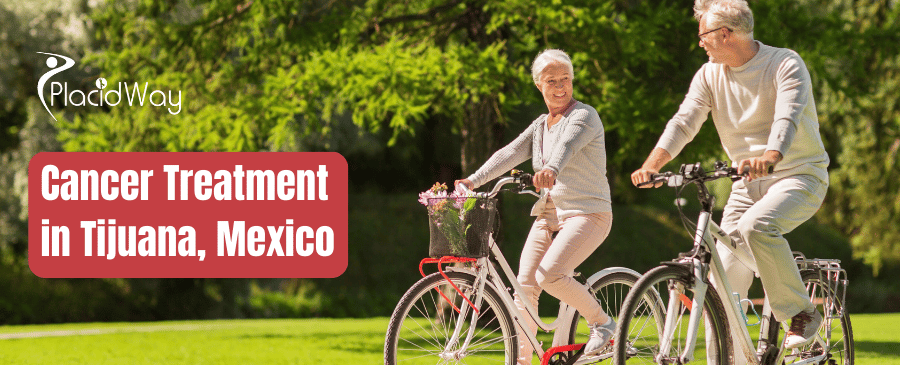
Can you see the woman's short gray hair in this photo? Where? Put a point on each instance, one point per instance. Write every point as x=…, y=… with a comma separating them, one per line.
x=547, y=57
x=733, y=14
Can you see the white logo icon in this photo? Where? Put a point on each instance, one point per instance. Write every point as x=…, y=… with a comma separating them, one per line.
x=52, y=62
x=101, y=83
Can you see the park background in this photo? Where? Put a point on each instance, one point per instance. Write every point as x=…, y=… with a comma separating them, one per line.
x=414, y=92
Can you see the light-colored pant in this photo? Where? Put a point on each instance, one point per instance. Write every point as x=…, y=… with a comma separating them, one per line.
x=547, y=264
x=759, y=213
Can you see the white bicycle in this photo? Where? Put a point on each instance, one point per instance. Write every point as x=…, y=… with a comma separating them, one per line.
x=686, y=297
x=466, y=314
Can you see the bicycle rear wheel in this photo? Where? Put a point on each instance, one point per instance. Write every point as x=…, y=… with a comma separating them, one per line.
x=835, y=337
x=610, y=291
x=423, y=324
x=639, y=333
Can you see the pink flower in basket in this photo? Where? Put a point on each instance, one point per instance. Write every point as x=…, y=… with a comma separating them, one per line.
x=448, y=212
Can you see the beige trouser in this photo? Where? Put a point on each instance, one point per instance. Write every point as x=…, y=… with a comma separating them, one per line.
x=547, y=264
x=760, y=212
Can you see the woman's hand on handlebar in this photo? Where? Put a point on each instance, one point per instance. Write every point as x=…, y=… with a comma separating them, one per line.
x=544, y=179
x=642, y=176
x=468, y=183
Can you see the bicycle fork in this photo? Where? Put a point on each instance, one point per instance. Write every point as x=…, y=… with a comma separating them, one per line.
x=452, y=351
x=677, y=299
x=700, y=286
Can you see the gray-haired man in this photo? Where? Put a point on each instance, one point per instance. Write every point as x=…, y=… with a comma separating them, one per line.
x=762, y=105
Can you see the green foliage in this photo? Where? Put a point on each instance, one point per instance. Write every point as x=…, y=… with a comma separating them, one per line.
x=255, y=76
x=292, y=299
x=36, y=135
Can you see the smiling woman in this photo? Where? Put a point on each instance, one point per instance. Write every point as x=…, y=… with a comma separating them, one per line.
x=568, y=153
x=555, y=84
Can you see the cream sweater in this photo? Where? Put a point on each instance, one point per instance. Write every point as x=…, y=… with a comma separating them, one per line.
x=578, y=157
x=765, y=104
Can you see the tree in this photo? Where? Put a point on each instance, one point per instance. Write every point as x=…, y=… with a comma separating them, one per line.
x=256, y=75
x=28, y=27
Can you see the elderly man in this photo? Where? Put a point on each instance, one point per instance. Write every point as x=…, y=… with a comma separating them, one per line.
x=762, y=105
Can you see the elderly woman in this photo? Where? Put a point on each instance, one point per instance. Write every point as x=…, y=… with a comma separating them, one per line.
x=568, y=153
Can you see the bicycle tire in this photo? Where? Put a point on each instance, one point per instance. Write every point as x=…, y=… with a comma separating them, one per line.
x=638, y=331
x=421, y=326
x=836, y=330
x=610, y=291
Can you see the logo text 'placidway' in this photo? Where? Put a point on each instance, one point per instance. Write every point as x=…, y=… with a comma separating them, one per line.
x=134, y=95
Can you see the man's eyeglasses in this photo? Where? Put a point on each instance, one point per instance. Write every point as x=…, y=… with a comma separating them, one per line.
x=707, y=32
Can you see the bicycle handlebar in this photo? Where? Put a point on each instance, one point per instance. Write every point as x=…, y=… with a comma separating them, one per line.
x=523, y=180
x=464, y=189
x=693, y=173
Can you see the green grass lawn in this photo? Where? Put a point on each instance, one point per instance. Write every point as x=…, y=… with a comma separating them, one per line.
x=302, y=341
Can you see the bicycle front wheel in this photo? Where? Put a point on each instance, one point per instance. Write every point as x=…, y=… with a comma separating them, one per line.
x=835, y=336
x=427, y=329
x=639, y=335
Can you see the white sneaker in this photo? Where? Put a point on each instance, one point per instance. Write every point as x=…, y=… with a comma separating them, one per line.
x=600, y=336
x=804, y=327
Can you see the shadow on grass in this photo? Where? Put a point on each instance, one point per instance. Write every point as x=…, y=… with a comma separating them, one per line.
x=882, y=348
x=369, y=342
x=358, y=342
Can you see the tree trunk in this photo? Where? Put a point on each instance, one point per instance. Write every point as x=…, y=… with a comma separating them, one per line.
x=480, y=134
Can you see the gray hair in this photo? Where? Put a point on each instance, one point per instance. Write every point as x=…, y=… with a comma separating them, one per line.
x=547, y=57
x=733, y=14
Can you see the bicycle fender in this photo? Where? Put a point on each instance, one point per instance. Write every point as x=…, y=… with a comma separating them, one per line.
x=599, y=274
x=567, y=313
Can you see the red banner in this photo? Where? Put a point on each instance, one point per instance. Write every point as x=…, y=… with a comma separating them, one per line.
x=187, y=215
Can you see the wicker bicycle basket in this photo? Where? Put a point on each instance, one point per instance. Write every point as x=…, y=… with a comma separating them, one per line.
x=466, y=237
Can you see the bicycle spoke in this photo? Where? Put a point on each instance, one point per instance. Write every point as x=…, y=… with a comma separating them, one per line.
x=644, y=317
x=424, y=325
x=834, y=339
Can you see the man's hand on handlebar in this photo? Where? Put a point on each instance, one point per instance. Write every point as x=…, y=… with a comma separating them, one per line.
x=544, y=179
x=758, y=167
x=642, y=176
x=658, y=157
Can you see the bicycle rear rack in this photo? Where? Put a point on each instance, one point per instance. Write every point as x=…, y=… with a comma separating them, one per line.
x=829, y=271
x=446, y=260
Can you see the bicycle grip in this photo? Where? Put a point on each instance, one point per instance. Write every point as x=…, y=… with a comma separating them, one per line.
x=655, y=178
x=737, y=177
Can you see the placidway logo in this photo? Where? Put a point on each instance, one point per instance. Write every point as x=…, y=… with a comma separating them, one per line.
x=100, y=96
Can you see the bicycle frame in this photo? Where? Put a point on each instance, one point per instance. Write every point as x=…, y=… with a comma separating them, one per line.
x=486, y=273
x=708, y=232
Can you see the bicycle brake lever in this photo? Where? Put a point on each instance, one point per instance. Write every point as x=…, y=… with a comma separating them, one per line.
x=532, y=192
